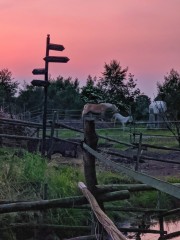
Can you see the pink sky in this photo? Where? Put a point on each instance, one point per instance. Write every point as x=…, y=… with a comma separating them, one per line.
x=141, y=34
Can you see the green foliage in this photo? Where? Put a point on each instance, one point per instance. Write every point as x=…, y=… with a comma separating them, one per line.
x=34, y=167
x=118, y=86
x=8, y=87
x=108, y=177
x=64, y=94
x=30, y=97
x=141, y=107
x=62, y=181
x=143, y=200
x=90, y=93
x=169, y=91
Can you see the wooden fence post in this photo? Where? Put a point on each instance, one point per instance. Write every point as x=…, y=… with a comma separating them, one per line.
x=52, y=135
x=138, y=153
x=91, y=139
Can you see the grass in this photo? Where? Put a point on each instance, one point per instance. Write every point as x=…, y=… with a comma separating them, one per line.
x=24, y=175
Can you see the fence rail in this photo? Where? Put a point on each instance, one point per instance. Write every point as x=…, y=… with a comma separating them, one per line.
x=152, y=182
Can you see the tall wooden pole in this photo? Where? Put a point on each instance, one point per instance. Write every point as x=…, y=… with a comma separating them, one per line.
x=91, y=139
x=45, y=97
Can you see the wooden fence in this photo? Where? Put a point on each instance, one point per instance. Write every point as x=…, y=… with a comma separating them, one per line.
x=90, y=155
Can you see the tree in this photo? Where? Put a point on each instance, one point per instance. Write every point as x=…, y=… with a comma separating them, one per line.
x=8, y=88
x=63, y=95
x=118, y=86
x=141, y=107
x=90, y=93
x=169, y=91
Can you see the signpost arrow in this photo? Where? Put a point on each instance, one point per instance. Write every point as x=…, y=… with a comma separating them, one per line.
x=56, y=47
x=56, y=59
x=39, y=71
x=40, y=83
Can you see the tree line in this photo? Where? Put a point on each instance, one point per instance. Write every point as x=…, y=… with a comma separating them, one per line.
x=116, y=85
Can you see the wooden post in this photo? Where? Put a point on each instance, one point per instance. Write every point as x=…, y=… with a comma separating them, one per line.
x=52, y=135
x=91, y=139
x=45, y=98
x=161, y=227
x=138, y=153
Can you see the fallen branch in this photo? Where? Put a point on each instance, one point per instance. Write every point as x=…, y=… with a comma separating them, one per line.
x=106, y=222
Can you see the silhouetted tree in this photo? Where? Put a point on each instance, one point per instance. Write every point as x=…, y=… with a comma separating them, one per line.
x=90, y=93
x=63, y=95
x=118, y=86
x=8, y=88
x=169, y=91
x=141, y=107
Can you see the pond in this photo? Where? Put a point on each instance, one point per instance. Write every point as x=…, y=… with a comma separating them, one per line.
x=171, y=226
x=168, y=226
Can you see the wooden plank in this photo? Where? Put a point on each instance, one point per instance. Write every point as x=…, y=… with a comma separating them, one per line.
x=39, y=71
x=56, y=47
x=151, y=181
x=130, y=187
x=18, y=137
x=56, y=59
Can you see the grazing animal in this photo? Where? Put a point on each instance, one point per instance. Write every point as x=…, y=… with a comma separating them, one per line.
x=157, y=116
x=100, y=109
x=122, y=119
x=66, y=148
x=157, y=107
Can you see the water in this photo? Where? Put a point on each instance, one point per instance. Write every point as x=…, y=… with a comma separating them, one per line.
x=168, y=226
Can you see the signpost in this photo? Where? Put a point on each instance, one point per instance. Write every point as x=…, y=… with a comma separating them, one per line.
x=55, y=47
x=56, y=59
x=40, y=83
x=39, y=71
x=45, y=83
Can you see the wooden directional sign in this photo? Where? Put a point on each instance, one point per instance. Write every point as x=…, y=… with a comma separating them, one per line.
x=56, y=47
x=39, y=71
x=56, y=59
x=40, y=83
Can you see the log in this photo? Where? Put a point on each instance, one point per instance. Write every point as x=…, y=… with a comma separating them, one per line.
x=50, y=226
x=59, y=203
x=170, y=235
x=114, y=196
x=142, y=230
x=129, y=187
x=79, y=228
x=61, y=229
x=157, y=147
x=170, y=212
x=18, y=137
x=89, y=237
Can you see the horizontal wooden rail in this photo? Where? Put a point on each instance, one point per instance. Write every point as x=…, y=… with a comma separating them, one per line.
x=154, y=182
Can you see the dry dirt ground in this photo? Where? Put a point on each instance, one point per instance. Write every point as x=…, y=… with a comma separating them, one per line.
x=150, y=167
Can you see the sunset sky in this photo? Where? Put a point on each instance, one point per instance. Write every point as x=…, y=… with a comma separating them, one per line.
x=141, y=34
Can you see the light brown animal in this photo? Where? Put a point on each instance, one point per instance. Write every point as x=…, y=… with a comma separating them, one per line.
x=100, y=109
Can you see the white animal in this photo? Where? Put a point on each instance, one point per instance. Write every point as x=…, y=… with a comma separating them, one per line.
x=157, y=107
x=123, y=120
